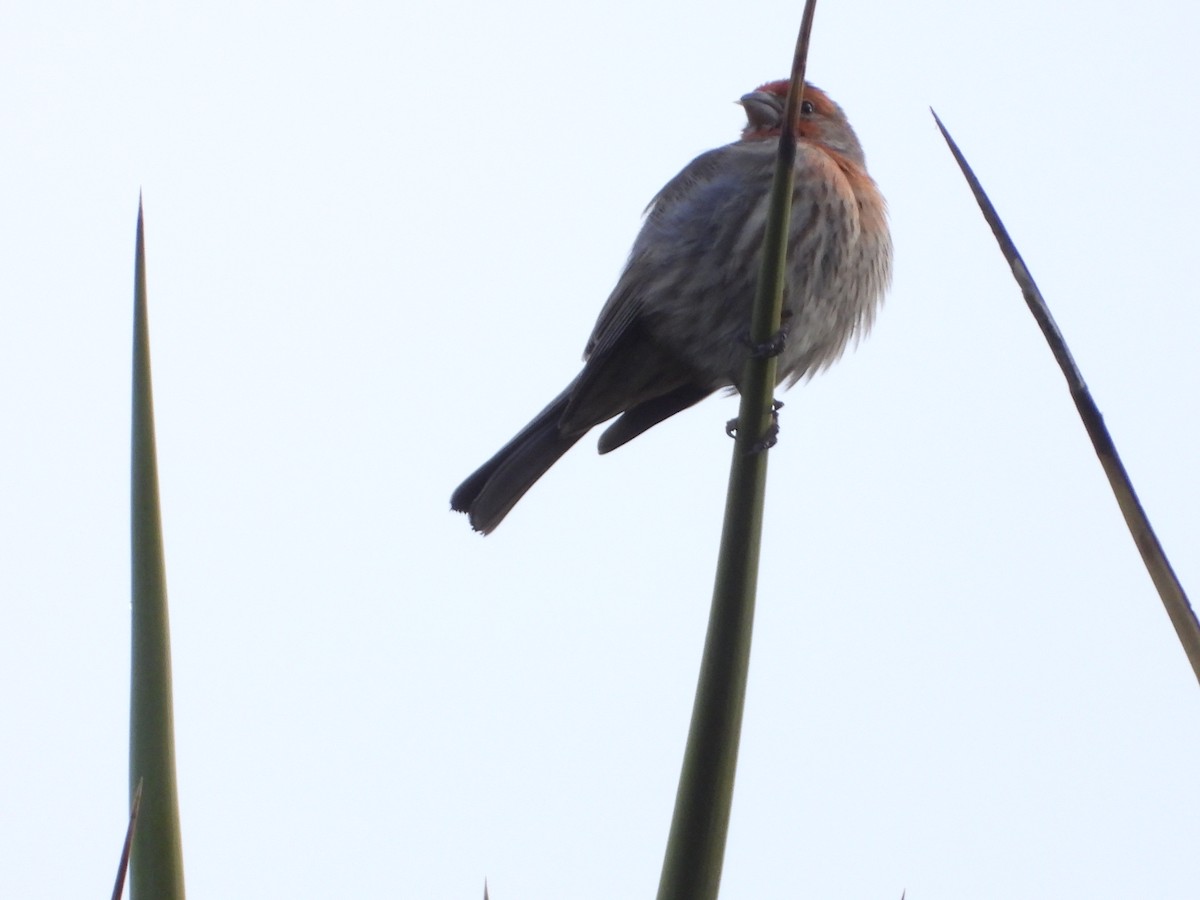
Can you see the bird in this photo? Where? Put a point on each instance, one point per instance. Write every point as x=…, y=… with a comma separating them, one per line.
x=675, y=328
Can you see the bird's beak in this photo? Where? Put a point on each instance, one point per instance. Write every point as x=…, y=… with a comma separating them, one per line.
x=762, y=109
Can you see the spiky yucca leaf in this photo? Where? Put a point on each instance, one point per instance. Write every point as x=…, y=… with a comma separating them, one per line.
x=156, y=864
x=1180, y=611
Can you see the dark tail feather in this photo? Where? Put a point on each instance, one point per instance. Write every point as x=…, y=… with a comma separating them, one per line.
x=496, y=486
x=649, y=413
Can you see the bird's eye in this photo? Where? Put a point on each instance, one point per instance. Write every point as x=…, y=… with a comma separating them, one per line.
x=807, y=109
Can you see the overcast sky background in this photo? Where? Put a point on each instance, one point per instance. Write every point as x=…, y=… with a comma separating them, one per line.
x=378, y=236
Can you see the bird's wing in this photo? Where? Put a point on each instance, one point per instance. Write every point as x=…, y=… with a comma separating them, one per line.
x=622, y=374
x=628, y=297
x=627, y=363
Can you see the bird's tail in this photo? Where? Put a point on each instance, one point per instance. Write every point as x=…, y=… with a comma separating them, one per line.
x=496, y=486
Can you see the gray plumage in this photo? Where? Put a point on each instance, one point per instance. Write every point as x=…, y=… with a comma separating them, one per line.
x=674, y=328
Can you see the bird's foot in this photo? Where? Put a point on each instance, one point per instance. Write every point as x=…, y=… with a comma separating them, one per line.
x=773, y=345
x=770, y=438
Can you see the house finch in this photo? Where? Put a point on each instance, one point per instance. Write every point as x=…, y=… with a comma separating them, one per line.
x=675, y=328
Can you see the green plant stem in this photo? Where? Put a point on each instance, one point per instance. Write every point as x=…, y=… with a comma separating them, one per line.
x=696, y=845
x=156, y=863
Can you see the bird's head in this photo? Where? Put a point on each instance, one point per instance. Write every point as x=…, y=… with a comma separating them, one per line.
x=821, y=121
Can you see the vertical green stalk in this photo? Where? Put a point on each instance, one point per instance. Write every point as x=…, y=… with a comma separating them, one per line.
x=156, y=864
x=696, y=846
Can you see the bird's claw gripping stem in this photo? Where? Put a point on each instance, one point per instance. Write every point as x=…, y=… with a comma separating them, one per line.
x=770, y=438
x=773, y=345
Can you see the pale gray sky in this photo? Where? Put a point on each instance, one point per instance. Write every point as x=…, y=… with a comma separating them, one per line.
x=378, y=236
